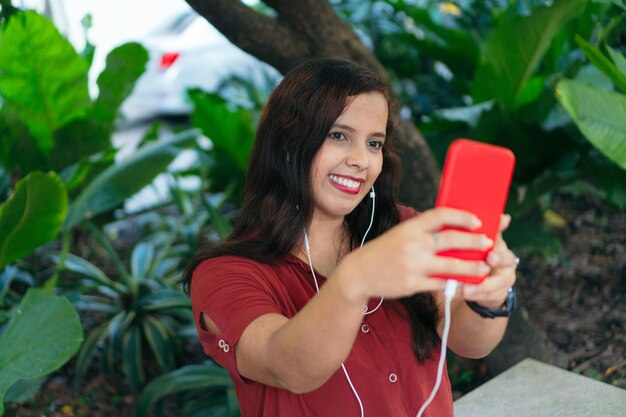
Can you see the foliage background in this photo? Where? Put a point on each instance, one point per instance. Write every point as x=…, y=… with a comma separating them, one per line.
x=68, y=246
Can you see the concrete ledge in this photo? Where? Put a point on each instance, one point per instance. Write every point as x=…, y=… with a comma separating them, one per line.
x=532, y=388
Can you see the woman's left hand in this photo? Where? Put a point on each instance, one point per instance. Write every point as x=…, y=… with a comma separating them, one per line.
x=492, y=292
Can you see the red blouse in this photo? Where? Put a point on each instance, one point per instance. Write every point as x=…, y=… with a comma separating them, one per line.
x=390, y=381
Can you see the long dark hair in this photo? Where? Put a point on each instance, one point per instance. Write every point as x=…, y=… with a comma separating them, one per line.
x=277, y=201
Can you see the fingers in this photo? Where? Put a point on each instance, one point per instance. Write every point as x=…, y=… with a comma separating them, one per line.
x=502, y=259
x=495, y=284
x=505, y=221
x=454, y=239
x=435, y=219
x=444, y=265
x=493, y=290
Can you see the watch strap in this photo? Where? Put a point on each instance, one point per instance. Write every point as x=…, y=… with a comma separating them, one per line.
x=510, y=304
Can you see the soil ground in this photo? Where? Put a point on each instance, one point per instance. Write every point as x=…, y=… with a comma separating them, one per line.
x=578, y=298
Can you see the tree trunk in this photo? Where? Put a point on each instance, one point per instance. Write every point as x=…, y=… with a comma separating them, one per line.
x=306, y=29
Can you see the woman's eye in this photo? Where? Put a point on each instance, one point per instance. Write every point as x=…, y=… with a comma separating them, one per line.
x=336, y=135
x=376, y=144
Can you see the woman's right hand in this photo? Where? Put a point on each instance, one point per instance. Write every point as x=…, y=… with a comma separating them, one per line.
x=399, y=262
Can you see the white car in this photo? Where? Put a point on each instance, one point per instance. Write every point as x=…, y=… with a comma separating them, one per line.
x=187, y=52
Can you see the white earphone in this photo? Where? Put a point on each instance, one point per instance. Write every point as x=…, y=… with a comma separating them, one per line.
x=365, y=312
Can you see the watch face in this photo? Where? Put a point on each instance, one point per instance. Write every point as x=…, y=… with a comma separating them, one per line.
x=511, y=300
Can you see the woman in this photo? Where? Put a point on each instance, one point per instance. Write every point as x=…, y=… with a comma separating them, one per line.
x=306, y=321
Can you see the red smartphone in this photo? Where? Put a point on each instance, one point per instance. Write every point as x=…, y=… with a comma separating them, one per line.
x=476, y=178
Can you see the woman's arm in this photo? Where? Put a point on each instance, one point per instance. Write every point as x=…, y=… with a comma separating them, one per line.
x=301, y=353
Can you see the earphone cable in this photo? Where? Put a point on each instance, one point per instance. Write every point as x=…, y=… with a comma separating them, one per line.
x=317, y=288
x=449, y=292
x=373, y=197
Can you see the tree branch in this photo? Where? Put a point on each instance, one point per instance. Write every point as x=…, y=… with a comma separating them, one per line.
x=261, y=36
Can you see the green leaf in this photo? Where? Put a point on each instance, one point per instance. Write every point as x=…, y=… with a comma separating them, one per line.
x=620, y=3
x=192, y=377
x=618, y=59
x=124, y=66
x=610, y=177
x=530, y=92
x=115, y=329
x=43, y=334
x=526, y=236
x=95, y=337
x=7, y=11
x=42, y=78
x=160, y=342
x=220, y=223
x=96, y=304
x=132, y=358
x=142, y=260
x=165, y=300
x=120, y=181
x=76, y=141
x=230, y=130
x=603, y=63
x=600, y=116
x=83, y=267
x=24, y=390
x=515, y=48
x=32, y=216
x=18, y=149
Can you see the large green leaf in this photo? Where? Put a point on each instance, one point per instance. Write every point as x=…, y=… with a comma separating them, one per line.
x=120, y=181
x=42, y=78
x=84, y=137
x=124, y=66
x=18, y=149
x=600, y=116
x=32, y=216
x=515, y=48
x=230, y=130
x=42, y=335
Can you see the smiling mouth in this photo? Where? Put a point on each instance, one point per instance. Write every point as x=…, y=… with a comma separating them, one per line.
x=345, y=184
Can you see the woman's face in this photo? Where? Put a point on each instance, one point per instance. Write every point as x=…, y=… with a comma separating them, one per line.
x=351, y=157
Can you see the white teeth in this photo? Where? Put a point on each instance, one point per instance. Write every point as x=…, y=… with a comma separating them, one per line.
x=345, y=182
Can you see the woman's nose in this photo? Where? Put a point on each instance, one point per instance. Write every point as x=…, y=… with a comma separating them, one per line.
x=358, y=156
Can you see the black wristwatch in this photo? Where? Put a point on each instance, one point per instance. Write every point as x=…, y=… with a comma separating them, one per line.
x=509, y=306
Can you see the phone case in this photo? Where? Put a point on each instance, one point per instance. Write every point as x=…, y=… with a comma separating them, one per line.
x=476, y=177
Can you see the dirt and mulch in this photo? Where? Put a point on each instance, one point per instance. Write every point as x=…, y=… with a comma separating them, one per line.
x=577, y=298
